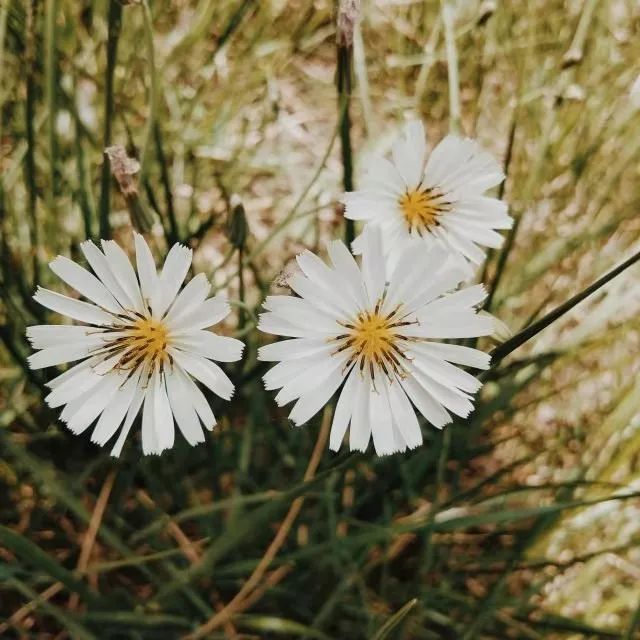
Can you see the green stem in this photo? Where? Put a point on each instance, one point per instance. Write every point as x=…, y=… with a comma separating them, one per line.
x=174, y=233
x=153, y=91
x=114, y=20
x=501, y=352
x=29, y=160
x=345, y=56
x=452, y=65
x=50, y=63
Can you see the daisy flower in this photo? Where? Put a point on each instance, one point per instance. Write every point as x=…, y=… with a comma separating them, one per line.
x=437, y=203
x=377, y=341
x=141, y=344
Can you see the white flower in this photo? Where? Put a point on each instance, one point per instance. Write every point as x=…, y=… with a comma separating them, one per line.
x=142, y=343
x=349, y=326
x=440, y=203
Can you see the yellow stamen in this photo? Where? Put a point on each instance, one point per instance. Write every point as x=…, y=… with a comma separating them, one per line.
x=372, y=337
x=372, y=341
x=421, y=208
x=146, y=340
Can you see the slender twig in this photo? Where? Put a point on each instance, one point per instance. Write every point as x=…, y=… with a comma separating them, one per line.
x=502, y=351
x=174, y=233
x=243, y=598
x=29, y=159
x=92, y=531
x=51, y=89
x=448, y=18
x=153, y=92
x=114, y=22
x=500, y=195
x=347, y=17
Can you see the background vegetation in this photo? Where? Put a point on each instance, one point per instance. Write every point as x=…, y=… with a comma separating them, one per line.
x=522, y=522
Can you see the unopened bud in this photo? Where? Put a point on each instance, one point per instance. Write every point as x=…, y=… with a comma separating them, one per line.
x=237, y=223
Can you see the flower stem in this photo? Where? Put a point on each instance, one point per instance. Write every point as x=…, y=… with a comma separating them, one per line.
x=502, y=351
x=114, y=20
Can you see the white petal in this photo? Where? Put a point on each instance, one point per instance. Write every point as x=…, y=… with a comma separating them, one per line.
x=100, y=266
x=84, y=283
x=112, y=417
x=456, y=353
x=206, y=314
x=449, y=397
x=432, y=410
x=146, y=270
x=273, y=323
x=285, y=371
x=442, y=371
x=53, y=356
x=381, y=422
x=205, y=371
x=373, y=265
x=189, y=299
x=74, y=386
x=72, y=371
x=299, y=312
x=382, y=176
x=163, y=416
x=134, y=409
x=416, y=270
x=368, y=205
x=197, y=398
x=42, y=336
x=461, y=300
x=183, y=410
x=360, y=431
x=209, y=345
x=123, y=272
x=312, y=401
x=404, y=416
x=174, y=272
x=348, y=272
x=293, y=349
x=76, y=309
x=310, y=379
x=150, y=444
x=323, y=276
x=327, y=302
x=344, y=409
x=94, y=402
x=409, y=151
x=451, y=325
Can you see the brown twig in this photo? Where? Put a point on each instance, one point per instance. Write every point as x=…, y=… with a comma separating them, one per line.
x=248, y=594
x=92, y=531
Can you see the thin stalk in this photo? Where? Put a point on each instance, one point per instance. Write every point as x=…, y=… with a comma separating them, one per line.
x=500, y=196
x=174, y=233
x=114, y=20
x=241, y=292
x=153, y=91
x=29, y=159
x=4, y=12
x=506, y=348
x=344, y=73
x=83, y=189
x=51, y=87
x=448, y=16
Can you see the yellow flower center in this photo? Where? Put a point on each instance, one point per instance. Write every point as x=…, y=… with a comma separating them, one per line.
x=421, y=208
x=372, y=341
x=372, y=336
x=145, y=341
